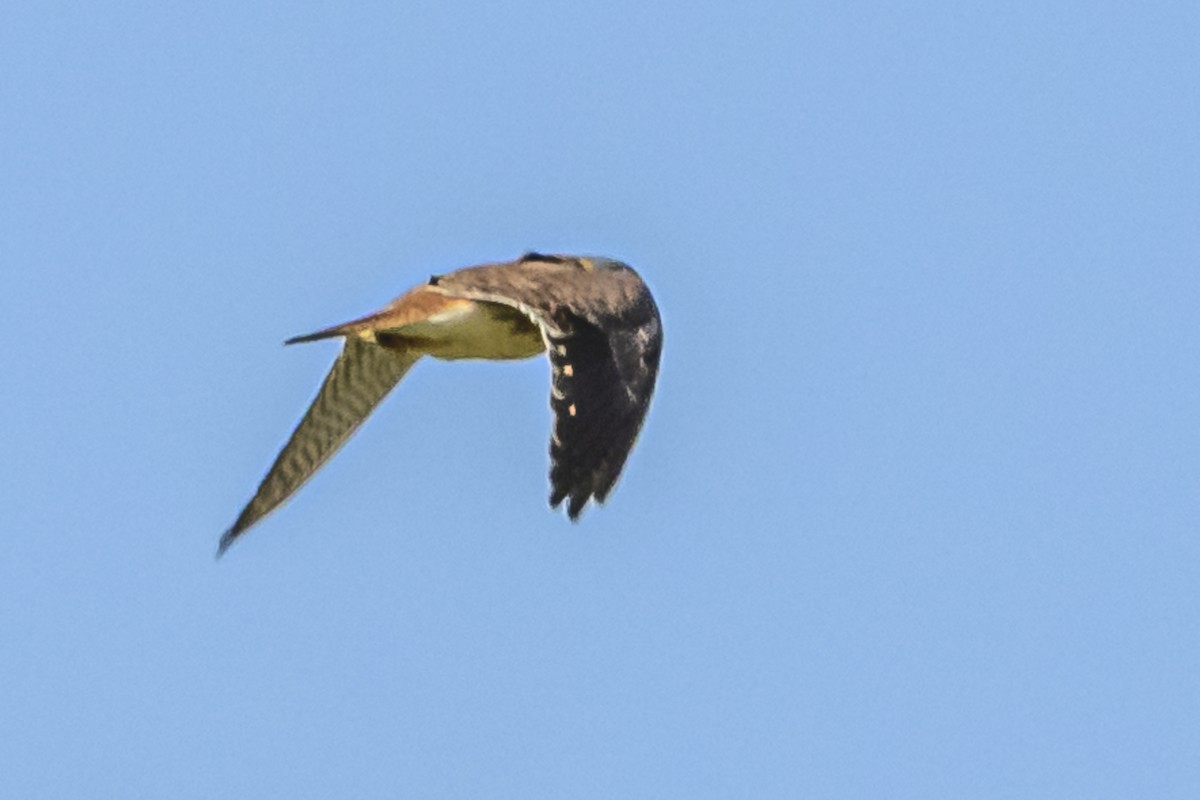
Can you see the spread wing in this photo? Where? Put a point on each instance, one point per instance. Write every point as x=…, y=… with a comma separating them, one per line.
x=604, y=338
x=600, y=392
x=361, y=377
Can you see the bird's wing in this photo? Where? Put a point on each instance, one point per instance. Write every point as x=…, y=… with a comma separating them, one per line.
x=604, y=337
x=599, y=405
x=361, y=377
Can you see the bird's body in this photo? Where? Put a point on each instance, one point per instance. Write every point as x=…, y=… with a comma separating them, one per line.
x=474, y=329
x=594, y=317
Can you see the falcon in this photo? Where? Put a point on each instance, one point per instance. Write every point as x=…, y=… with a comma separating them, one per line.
x=594, y=318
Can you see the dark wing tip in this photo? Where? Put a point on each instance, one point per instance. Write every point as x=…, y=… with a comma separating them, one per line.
x=247, y=519
x=227, y=539
x=575, y=505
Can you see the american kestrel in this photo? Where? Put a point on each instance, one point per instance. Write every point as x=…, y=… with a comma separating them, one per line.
x=594, y=317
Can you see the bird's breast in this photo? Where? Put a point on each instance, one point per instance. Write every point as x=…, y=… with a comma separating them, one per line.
x=475, y=329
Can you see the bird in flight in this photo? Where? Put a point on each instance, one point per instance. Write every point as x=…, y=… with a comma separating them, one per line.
x=594, y=317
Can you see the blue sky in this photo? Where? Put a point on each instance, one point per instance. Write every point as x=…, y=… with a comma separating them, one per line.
x=914, y=512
